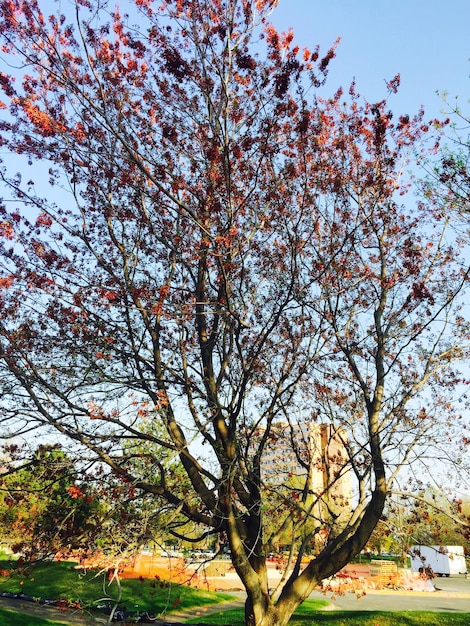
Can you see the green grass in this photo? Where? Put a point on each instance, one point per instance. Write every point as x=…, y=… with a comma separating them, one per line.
x=309, y=615
x=61, y=580
x=10, y=618
x=383, y=618
x=234, y=617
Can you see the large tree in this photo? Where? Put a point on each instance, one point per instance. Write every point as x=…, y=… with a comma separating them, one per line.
x=224, y=254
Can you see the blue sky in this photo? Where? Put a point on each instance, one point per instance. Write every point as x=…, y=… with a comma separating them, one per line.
x=426, y=41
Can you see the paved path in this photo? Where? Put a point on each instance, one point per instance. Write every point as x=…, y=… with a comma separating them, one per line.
x=198, y=613
x=452, y=594
x=435, y=602
x=71, y=616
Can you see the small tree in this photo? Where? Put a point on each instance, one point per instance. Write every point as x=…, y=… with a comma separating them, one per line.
x=223, y=254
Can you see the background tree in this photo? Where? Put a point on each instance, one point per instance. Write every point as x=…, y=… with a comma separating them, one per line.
x=43, y=510
x=437, y=518
x=51, y=508
x=224, y=254
x=426, y=518
x=448, y=179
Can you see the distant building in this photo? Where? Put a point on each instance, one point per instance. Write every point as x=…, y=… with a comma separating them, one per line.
x=312, y=455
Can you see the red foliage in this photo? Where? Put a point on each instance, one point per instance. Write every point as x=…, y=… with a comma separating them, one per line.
x=75, y=492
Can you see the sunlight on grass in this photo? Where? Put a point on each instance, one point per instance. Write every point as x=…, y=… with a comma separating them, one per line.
x=235, y=617
x=62, y=580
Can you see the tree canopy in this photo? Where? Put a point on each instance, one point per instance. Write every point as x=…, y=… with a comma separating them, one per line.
x=205, y=248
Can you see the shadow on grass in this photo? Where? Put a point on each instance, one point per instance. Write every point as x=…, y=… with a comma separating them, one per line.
x=11, y=618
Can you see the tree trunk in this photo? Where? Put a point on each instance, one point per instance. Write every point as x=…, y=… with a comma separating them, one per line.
x=264, y=613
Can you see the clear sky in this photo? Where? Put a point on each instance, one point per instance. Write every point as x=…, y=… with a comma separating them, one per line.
x=426, y=41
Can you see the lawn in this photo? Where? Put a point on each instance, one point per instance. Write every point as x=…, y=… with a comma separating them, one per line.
x=10, y=618
x=309, y=615
x=54, y=580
